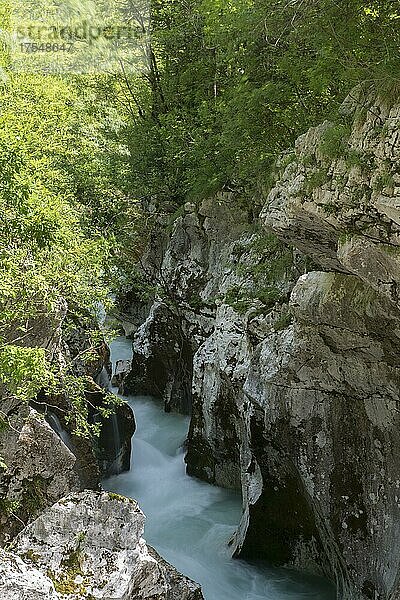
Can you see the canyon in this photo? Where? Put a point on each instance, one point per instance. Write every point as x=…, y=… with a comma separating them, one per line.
x=279, y=335
x=290, y=367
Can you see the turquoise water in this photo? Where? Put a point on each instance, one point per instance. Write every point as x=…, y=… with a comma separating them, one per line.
x=190, y=522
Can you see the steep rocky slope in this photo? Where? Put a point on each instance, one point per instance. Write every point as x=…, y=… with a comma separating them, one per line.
x=43, y=458
x=88, y=544
x=291, y=368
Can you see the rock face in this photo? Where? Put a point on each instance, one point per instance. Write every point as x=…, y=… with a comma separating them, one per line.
x=322, y=432
x=192, y=265
x=43, y=458
x=90, y=545
x=40, y=470
x=122, y=368
x=115, y=441
x=194, y=271
x=340, y=202
x=295, y=395
x=18, y=581
x=164, y=371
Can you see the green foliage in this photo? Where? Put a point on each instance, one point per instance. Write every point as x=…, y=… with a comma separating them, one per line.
x=232, y=84
x=316, y=179
x=284, y=320
x=263, y=264
x=334, y=141
x=330, y=208
x=71, y=567
x=384, y=180
x=24, y=371
x=356, y=158
x=239, y=299
x=9, y=507
x=62, y=167
x=47, y=256
x=33, y=495
x=78, y=390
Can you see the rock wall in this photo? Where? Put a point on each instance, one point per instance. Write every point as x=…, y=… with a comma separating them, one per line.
x=194, y=272
x=43, y=458
x=294, y=392
x=40, y=470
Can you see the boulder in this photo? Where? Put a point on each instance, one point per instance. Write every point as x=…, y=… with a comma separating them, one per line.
x=122, y=368
x=40, y=469
x=90, y=545
x=19, y=581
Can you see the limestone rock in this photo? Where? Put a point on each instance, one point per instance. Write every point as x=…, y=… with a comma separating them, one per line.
x=165, y=371
x=322, y=471
x=192, y=266
x=179, y=587
x=90, y=544
x=220, y=367
x=122, y=368
x=40, y=469
x=18, y=581
x=133, y=309
x=109, y=453
x=344, y=211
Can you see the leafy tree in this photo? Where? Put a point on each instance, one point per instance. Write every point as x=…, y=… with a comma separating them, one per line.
x=86, y=161
x=233, y=83
x=60, y=208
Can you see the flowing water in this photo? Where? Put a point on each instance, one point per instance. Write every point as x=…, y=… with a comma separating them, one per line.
x=190, y=522
x=55, y=424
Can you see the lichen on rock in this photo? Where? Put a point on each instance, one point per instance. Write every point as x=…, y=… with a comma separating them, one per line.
x=90, y=545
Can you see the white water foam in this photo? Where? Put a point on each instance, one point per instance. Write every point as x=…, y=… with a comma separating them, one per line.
x=190, y=522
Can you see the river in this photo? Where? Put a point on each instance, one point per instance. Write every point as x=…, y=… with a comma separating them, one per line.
x=190, y=522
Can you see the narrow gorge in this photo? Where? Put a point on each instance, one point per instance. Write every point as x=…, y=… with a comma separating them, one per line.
x=294, y=397
x=286, y=359
x=190, y=522
x=199, y=300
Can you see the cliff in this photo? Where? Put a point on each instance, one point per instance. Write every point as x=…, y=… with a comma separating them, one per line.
x=286, y=352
